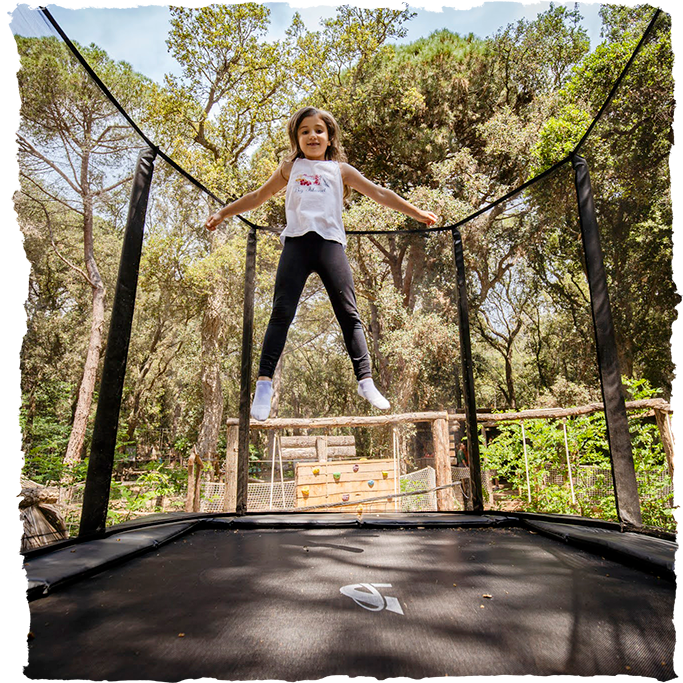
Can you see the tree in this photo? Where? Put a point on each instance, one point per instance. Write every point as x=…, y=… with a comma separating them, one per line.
x=72, y=144
x=628, y=154
x=339, y=57
x=232, y=89
x=458, y=138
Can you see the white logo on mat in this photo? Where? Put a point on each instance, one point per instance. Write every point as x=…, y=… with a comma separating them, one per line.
x=368, y=597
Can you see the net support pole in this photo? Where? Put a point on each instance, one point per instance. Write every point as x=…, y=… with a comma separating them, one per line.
x=467, y=374
x=103, y=446
x=245, y=378
x=623, y=470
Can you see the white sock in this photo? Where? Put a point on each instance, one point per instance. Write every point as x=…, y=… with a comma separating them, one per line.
x=368, y=390
x=260, y=408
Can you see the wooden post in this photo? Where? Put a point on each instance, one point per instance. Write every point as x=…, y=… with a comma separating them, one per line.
x=569, y=463
x=457, y=432
x=230, y=497
x=667, y=439
x=442, y=462
x=526, y=464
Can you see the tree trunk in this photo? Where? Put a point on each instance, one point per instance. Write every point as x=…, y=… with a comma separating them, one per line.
x=140, y=387
x=376, y=335
x=82, y=413
x=194, y=483
x=212, y=389
x=230, y=497
x=509, y=380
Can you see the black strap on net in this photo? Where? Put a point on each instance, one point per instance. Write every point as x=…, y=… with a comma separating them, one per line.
x=407, y=231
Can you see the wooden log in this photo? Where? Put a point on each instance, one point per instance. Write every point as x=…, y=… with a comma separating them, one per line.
x=558, y=413
x=442, y=462
x=309, y=441
x=43, y=524
x=355, y=421
x=487, y=418
x=312, y=454
x=37, y=494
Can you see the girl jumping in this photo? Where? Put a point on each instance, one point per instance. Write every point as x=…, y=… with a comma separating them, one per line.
x=317, y=177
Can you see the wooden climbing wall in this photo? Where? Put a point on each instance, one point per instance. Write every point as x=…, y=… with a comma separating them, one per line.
x=351, y=481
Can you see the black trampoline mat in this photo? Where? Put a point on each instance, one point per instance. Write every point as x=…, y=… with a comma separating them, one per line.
x=235, y=604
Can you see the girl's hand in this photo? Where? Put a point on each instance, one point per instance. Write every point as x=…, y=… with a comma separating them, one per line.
x=427, y=217
x=212, y=222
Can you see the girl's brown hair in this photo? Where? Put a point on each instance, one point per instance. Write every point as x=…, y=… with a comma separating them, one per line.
x=335, y=151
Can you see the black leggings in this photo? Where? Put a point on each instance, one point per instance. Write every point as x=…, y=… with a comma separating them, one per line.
x=301, y=256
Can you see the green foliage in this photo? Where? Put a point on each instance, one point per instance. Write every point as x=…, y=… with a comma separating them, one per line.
x=255, y=455
x=560, y=136
x=541, y=478
x=145, y=494
x=45, y=430
x=628, y=153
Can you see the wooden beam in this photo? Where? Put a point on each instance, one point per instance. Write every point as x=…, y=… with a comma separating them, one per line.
x=321, y=448
x=405, y=418
x=353, y=421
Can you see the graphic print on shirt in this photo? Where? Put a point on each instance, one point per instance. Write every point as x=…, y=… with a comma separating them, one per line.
x=305, y=182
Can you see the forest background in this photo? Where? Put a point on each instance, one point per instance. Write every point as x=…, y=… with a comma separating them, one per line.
x=451, y=122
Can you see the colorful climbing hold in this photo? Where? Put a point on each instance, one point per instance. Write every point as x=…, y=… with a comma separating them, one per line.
x=385, y=474
x=336, y=475
x=304, y=490
x=371, y=483
x=345, y=497
x=316, y=470
x=356, y=467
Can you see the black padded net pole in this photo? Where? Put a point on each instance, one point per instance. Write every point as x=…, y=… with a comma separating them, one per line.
x=623, y=471
x=100, y=466
x=245, y=379
x=467, y=374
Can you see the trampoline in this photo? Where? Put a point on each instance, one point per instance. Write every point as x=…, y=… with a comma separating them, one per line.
x=297, y=596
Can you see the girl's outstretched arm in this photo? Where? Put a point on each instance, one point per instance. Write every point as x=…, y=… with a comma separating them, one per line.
x=252, y=200
x=353, y=178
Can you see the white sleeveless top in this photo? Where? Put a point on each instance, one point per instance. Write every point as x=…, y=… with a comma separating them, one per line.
x=315, y=193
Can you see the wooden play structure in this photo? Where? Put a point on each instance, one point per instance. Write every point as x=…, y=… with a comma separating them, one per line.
x=336, y=454
x=350, y=483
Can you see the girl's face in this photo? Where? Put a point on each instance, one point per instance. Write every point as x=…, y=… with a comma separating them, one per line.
x=313, y=137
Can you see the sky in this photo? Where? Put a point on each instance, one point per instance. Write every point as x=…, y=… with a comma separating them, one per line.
x=137, y=35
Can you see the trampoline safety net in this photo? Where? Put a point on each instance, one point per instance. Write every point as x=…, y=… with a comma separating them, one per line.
x=504, y=413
